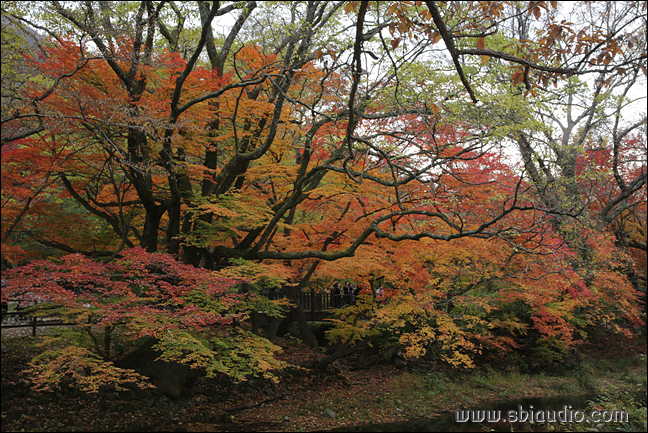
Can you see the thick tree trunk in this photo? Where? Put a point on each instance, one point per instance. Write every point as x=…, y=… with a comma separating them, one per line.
x=151, y=230
x=254, y=321
x=304, y=330
x=274, y=328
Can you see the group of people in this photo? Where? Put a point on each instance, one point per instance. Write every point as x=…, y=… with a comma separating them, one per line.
x=344, y=295
x=348, y=289
x=341, y=295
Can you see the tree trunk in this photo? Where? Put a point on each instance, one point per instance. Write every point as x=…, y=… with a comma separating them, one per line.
x=304, y=330
x=274, y=327
x=254, y=321
x=151, y=229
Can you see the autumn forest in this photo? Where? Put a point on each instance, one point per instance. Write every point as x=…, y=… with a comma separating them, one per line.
x=166, y=165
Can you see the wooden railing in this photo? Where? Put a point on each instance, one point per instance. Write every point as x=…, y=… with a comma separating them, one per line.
x=28, y=321
x=316, y=301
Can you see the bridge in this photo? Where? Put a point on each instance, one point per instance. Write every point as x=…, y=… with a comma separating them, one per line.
x=316, y=306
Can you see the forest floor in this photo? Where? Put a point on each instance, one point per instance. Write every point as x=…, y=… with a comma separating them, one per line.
x=360, y=393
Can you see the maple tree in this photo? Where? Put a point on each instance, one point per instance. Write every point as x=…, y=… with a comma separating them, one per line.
x=374, y=141
x=191, y=314
x=528, y=291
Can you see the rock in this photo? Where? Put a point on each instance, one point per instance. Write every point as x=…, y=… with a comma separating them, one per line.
x=342, y=368
x=286, y=418
x=328, y=413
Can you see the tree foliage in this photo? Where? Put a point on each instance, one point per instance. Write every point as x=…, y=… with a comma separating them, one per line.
x=192, y=315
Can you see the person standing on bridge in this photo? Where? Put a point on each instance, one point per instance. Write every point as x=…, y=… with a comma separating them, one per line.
x=348, y=292
x=335, y=295
x=356, y=292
